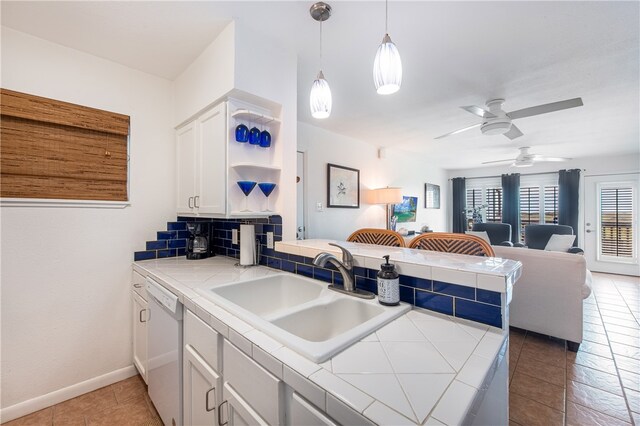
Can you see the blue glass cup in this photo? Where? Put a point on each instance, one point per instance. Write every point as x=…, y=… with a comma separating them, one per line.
x=267, y=188
x=246, y=186
x=254, y=136
x=265, y=139
x=242, y=133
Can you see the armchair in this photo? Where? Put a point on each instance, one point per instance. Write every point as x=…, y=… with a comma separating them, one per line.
x=499, y=233
x=537, y=236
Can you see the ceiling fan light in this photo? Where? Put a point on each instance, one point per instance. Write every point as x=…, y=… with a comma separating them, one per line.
x=387, y=67
x=320, y=98
x=523, y=163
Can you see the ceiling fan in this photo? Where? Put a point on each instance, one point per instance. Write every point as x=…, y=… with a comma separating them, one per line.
x=525, y=159
x=497, y=122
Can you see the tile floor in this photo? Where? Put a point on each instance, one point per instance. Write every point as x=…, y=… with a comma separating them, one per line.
x=598, y=385
x=122, y=403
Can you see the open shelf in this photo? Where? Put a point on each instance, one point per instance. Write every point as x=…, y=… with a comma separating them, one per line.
x=252, y=214
x=254, y=166
x=254, y=117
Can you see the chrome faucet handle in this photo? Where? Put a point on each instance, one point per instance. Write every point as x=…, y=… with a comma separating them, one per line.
x=347, y=257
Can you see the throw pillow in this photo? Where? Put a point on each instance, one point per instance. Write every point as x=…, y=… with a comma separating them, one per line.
x=481, y=234
x=560, y=243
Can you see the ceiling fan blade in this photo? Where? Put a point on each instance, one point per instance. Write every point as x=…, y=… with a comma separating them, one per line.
x=459, y=131
x=550, y=159
x=476, y=110
x=513, y=132
x=543, y=109
x=499, y=161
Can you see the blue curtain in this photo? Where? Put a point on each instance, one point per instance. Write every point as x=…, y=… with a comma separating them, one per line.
x=459, y=204
x=511, y=204
x=568, y=199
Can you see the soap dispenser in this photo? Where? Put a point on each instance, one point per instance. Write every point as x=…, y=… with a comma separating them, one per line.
x=388, y=284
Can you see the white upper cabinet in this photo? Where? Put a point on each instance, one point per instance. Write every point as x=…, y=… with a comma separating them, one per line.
x=186, y=167
x=212, y=177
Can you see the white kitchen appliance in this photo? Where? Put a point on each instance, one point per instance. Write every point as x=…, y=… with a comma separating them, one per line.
x=165, y=352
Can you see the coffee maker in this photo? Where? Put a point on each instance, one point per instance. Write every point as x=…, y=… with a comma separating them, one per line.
x=199, y=242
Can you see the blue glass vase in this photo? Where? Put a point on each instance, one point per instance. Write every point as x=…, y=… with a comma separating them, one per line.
x=254, y=136
x=267, y=188
x=265, y=139
x=242, y=133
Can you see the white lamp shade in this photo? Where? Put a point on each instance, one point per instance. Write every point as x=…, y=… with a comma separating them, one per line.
x=387, y=68
x=385, y=196
x=320, y=98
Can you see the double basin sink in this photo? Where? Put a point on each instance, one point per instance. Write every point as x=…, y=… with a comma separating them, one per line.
x=302, y=313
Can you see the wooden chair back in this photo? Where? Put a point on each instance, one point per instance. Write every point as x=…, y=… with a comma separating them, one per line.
x=381, y=237
x=452, y=243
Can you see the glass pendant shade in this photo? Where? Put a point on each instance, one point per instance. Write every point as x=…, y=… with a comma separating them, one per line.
x=387, y=68
x=320, y=98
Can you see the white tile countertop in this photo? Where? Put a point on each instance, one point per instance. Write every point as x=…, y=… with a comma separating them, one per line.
x=422, y=368
x=487, y=273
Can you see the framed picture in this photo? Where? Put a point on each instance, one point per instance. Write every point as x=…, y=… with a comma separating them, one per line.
x=431, y=196
x=343, y=187
x=406, y=211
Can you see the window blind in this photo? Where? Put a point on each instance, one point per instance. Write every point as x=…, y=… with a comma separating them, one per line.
x=551, y=204
x=494, y=202
x=58, y=150
x=616, y=221
x=529, y=206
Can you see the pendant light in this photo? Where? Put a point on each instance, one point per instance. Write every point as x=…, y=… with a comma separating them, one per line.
x=320, y=97
x=387, y=67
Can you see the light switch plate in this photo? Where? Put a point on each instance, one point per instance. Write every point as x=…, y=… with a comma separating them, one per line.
x=319, y=206
x=234, y=236
x=269, y=240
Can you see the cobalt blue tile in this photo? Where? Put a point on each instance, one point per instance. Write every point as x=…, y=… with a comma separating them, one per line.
x=277, y=238
x=308, y=260
x=166, y=253
x=274, y=263
x=323, y=274
x=275, y=219
x=176, y=226
x=360, y=271
x=226, y=243
x=454, y=290
x=434, y=302
x=144, y=255
x=367, y=284
x=268, y=252
x=263, y=260
x=305, y=270
x=182, y=234
x=183, y=219
x=277, y=230
x=407, y=294
x=296, y=258
x=281, y=255
x=487, y=296
x=337, y=278
x=220, y=250
x=372, y=273
x=479, y=312
x=167, y=235
x=233, y=253
x=156, y=245
x=416, y=282
x=177, y=243
x=182, y=251
x=267, y=228
x=288, y=266
x=259, y=229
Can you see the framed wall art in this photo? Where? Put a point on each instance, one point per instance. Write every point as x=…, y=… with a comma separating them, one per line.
x=343, y=187
x=431, y=196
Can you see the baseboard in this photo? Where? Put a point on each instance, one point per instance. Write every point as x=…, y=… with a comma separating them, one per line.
x=32, y=405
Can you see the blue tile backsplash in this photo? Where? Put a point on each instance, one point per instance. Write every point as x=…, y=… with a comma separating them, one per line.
x=478, y=305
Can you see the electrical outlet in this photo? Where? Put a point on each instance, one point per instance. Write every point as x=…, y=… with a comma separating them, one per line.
x=269, y=240
x=319, y=206
x=234, y=236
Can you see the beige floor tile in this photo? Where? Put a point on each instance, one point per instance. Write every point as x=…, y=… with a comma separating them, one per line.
x=627, y=331
x=625, y=350
x=624, y=339
x=595, y=337
x=630, y=380
x=133, y=412
x=633, y=399
x=70, y=421
x=594, y=328
x=42, y=417
x=528, y=412
x=577, y=415
x=91, y=402
x=623, y=322
x=594, y=378
x=596, y=349
x=542, y=371
x=132, y=387
x=592, y=361
x=592, y=320
x=549, y=352
x=598, y=400
x=538, y=390
x=606, y=314
x=628, y=364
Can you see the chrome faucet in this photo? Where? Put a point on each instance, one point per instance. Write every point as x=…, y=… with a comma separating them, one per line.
x=346, y=270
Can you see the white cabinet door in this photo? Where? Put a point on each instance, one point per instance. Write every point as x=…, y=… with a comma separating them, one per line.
x=202, y=387
x=140, y=334
x=212, y=163
x=305, y=413
x=239, y=412
x=186, y=168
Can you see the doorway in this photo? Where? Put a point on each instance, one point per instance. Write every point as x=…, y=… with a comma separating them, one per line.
x=611, y=223
x=300, y=196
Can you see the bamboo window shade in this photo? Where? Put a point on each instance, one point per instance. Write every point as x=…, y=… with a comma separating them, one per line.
x=58, y=150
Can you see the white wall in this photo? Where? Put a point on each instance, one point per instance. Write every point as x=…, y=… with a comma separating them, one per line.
x=398, y=169
x=66, y=304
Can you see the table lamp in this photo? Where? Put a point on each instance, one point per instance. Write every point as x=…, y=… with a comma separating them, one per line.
x=388, y=196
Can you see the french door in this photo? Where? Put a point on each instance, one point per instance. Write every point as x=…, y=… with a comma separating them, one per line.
x=611, y=223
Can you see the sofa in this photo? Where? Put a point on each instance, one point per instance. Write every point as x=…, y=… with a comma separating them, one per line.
x=548, y=297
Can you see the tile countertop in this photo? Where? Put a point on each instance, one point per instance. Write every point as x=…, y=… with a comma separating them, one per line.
x=490, y=273
x=422, y=368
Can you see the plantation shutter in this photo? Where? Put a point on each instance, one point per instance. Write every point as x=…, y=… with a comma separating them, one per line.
x=616, y=221
x=58, y=150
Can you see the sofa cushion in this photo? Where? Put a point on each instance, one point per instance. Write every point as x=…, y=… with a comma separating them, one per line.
x=561, y=243
x=586, y=288
x=480, y=234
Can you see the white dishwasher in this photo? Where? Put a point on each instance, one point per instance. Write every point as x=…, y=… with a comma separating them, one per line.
x=164, y=328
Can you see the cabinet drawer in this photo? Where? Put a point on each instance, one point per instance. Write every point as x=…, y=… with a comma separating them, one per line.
x=256, y=385
x=305, y=413
x=204, y=339
x=137, y=285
